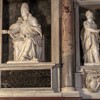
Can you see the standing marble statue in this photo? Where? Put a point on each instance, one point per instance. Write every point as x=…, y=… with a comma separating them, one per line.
x=27, y=37
x=89, y=37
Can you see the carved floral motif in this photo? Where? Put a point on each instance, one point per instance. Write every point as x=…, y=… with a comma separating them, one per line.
x=93, y=82
x=92, y=79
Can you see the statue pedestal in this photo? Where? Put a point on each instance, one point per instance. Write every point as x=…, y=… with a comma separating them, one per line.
x=91, y=76
x=22, y=62
x=87, y=81
x=33, y=67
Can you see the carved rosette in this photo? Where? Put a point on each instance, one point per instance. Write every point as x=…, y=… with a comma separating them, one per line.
x=92, y=78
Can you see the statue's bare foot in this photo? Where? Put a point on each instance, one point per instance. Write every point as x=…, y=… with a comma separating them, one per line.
x=22, y=59
x=35, y=60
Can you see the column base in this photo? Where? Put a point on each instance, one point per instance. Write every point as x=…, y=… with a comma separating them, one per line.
x=67, y=89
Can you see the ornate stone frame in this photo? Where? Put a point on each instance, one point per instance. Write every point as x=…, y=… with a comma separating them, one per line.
x=54, y=31
x=53, y=65
x=78, y=3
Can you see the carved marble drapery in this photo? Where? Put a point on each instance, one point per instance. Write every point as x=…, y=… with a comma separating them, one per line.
x=67, y=44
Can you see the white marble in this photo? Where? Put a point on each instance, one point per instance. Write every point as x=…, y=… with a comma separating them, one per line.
x=26, y=66
x=86, y=94
x=90, y=39
x=91, y=77
x=44, y=92
x=67, y=89
x=27, y=37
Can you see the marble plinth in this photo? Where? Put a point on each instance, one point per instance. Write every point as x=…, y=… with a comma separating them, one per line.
x=16, y=62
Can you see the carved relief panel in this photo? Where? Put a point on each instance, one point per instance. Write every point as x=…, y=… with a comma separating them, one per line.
x=91, y=78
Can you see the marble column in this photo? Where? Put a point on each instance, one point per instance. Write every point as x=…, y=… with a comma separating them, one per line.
x=67, y=45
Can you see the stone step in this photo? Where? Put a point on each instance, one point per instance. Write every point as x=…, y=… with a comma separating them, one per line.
x=26, y=66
